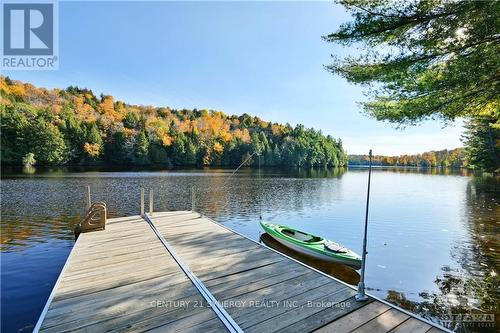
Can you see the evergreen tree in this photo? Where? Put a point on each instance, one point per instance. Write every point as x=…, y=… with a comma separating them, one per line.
x=142, y=148
x=191, y=153
x=481, y=141
x=46, y=143
x=427, y=59
x=74, y=132
x=13, y=142
x=100, y=130
x=93, y=135
x=131, y=120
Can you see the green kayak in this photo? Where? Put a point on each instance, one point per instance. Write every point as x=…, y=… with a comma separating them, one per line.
x=311, y=245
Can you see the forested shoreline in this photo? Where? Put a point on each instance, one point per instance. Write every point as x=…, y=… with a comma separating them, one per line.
x=454, y=158
x=74, y=127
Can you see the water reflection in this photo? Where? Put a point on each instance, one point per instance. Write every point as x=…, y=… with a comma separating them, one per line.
x=433, y=233
x=29, y=170
x=344, y=273
x=418, y=170
x=18, y=233
x=467, y=294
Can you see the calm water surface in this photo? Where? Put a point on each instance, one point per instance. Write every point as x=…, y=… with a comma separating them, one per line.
x=433, y=235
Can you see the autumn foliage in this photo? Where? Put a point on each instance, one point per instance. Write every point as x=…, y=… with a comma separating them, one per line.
x=454, y=158
x=73, y=126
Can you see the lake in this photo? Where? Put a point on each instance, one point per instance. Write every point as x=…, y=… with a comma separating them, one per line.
x=433, y=235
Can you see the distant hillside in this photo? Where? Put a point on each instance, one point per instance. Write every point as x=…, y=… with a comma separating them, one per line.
x=443, y=158
x=73, y=126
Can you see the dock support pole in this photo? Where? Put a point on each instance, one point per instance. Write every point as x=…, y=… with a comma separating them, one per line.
x=192, y=199
x=151, y=201
x=361, y=296
x=142, y=201
x=87, y=198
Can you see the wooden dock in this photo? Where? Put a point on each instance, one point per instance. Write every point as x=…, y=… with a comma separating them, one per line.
x=179, y=272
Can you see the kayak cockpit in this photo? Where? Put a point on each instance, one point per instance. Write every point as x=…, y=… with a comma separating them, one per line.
x=301, y=236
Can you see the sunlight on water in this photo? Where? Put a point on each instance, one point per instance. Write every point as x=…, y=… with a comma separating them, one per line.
x=433, y=236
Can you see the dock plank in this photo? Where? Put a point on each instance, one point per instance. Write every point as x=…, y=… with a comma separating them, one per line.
x=114, y=280
x=286, y=301
x=412, y=325
x=327, y=314
x=261, y=290
x=298, y=314
x=123, y=279
x=208, y=249
x=355, y=319
x=383, y=323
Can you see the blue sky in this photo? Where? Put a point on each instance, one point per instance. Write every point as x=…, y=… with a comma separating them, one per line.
x=262, y=58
